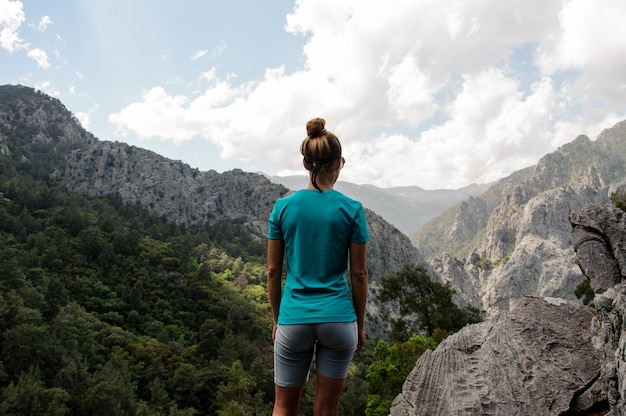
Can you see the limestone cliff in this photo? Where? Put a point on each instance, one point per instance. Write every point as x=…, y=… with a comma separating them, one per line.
x=515, y=240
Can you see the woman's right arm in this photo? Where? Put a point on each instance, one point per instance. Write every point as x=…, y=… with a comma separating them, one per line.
x=358, y=278
x=275, y=255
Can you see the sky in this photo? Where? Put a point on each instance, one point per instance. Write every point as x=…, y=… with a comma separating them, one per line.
x=438, y=94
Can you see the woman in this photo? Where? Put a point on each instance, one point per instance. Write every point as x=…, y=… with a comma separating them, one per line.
x=320, y=231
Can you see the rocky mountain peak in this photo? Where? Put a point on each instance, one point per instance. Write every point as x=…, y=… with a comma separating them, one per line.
x=30, y=117
x=515, y=241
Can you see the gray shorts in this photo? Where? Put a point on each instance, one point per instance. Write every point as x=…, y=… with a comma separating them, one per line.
x=333, y=345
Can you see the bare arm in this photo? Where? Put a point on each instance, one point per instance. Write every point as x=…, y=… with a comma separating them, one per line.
x=275, y=256
x=358, y=278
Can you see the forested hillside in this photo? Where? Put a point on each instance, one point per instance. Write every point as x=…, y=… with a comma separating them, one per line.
x=107, y=308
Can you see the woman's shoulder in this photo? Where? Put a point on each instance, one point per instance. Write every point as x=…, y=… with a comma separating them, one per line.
x=346, y=199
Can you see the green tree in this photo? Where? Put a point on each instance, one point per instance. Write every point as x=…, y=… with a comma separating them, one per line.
x=238, y=394
x=619, y=199
x=29, y=396
x=186, y=383
x=426, y=305
x=27, y=345
x=112, y=392
x=584, y=291
x=392, y=364
x=354, y=397
x=95, y=293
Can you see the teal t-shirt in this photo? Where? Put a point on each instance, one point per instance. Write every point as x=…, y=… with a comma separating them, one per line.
x=317, y=228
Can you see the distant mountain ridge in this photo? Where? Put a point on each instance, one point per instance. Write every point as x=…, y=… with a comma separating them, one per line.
x=408, y=207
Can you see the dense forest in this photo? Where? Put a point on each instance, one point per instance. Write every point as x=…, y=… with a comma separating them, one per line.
x=107, y=310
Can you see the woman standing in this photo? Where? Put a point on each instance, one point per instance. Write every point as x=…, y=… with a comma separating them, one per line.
x=321, y=232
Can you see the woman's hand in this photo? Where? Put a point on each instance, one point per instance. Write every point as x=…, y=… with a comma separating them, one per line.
x=361, y=342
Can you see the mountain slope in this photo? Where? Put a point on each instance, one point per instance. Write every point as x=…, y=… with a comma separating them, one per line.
x=524, y=246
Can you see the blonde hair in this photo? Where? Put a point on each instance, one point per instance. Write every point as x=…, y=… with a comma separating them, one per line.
x=319, y=148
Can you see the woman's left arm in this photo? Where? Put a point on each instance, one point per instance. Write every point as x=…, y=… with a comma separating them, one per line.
x=358, y=277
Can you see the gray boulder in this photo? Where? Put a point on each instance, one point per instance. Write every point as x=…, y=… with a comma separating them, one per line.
x=536, y=359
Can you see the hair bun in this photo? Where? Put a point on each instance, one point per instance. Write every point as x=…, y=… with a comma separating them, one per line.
x=315, y=127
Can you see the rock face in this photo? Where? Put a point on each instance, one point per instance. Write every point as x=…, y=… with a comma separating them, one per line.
x=599, y=238
x=543, y=356
x=536, y=359
x=169, y=188
x=515, y=240
x=600, y=242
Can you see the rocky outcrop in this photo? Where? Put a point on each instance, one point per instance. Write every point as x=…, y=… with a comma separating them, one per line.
x=609, y=330
x=600, y=242
x=543, y=356
x=37, y=133
x=31, y=120
x=529, y=253
x=387, y=251
x=536, y=359
x=599, y=238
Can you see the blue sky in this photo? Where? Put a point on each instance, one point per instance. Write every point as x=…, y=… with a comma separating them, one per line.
x=437, y=94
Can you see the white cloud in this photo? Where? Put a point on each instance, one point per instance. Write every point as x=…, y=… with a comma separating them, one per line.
x=590, y=38
x=490, y=128
x=11, y=18
x=44, y=23
x=198, y=54
x=421, y=93
x=40, y=57
x=219, y=49
x=410, y=92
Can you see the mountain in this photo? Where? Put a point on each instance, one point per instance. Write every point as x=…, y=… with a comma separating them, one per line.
x=408, y=208
x=515, y=240
x=40, y=137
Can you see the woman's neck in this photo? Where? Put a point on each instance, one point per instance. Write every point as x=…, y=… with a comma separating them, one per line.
x=322, y=186
x=323, y=182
